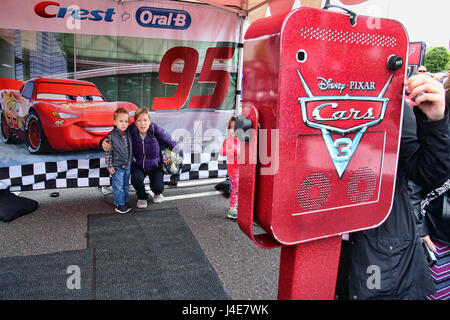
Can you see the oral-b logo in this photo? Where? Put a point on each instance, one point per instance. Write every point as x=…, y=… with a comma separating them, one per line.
x=163, y=18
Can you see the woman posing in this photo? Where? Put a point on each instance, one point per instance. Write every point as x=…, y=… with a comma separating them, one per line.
x=147, y=139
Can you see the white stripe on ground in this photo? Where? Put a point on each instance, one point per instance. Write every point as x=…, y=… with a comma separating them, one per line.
x=192, y=195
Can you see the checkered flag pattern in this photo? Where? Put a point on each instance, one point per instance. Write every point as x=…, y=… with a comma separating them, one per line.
x=93, y=173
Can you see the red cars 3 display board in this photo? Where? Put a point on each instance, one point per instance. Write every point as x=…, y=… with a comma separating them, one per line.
x=331, y=88
x=55, y=114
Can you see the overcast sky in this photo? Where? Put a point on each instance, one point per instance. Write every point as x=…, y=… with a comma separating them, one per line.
x=424, y=20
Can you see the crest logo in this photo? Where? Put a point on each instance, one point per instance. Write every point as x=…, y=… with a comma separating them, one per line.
x=342, y=115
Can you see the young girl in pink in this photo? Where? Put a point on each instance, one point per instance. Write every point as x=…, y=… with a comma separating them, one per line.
x=230, y=148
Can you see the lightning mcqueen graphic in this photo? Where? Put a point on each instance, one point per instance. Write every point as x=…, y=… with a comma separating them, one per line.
x=56, y=114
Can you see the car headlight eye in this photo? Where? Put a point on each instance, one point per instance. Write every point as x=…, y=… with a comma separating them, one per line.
x=63, y=115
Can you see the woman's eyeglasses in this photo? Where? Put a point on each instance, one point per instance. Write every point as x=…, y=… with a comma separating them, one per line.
x=421, y=70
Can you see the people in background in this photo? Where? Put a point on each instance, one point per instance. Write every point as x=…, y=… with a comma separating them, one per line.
x=422, y=70
x=447, y=81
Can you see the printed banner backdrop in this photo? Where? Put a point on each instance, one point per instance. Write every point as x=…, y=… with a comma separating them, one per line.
x=416, y=56
x=78, y=63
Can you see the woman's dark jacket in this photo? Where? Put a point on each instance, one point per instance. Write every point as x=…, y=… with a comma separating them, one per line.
x=435, y=220
x=394, y=247
x=147, y=151
x=438, y=219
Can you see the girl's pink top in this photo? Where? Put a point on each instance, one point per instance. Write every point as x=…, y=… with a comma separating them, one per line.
x=230, y=148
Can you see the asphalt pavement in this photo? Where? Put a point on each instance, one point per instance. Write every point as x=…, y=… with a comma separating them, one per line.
x=60, y=223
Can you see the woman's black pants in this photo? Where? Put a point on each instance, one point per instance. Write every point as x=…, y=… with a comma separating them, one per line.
x=156, y=181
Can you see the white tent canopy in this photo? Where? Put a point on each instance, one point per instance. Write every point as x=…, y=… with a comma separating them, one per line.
x=255, y=9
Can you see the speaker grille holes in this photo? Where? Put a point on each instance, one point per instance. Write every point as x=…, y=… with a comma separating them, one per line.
x=314, y=191
x=334, y=35
x=362, y=185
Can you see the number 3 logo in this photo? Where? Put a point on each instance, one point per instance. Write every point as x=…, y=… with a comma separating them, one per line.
x=185, y=78
x=345, y=152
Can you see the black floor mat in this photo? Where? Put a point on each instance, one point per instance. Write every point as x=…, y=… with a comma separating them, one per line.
x=150, y=255
x=146, y=255
x=47, y=276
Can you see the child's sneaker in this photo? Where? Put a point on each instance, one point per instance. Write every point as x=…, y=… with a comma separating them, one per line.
x=122, y=208
x=141, y=204
x=232, y=213
x=158, y=198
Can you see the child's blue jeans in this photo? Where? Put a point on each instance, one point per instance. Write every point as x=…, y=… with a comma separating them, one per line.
x=120, y=181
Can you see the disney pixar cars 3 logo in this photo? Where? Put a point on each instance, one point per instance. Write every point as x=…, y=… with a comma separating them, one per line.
x=343, y=115
x=163, y=18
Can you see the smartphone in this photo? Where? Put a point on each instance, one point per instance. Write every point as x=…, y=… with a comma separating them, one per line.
x=431, y=258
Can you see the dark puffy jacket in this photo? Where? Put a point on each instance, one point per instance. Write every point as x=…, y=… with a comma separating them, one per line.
x=147, y=151
x=394, y=247
x=121, y=157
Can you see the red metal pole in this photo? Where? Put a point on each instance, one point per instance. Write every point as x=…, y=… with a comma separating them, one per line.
x=308, y=271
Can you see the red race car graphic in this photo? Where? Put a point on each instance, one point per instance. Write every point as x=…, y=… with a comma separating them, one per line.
x=55, y=114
